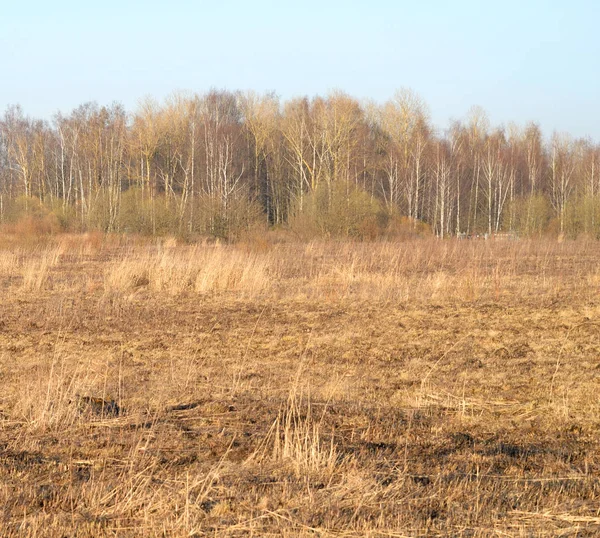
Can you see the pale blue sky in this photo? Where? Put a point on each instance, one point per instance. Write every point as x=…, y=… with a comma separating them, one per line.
x=519, y=60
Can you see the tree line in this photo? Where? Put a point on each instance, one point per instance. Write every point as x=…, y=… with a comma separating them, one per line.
x=223, y=162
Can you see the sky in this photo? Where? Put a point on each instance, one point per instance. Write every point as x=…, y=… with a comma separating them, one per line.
x=521, y=61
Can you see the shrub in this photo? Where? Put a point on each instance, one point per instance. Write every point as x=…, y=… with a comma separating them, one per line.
x=338, y=209
x=531, y=215
x=28, y=216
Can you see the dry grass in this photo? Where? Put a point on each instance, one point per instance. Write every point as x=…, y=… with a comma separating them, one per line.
x=407, y=272
x=196, y=269
x=428, y=388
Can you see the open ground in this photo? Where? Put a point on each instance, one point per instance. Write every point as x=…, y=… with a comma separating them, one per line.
x=419, y=388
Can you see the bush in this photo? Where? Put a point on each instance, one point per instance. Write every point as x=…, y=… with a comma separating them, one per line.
x=531, y=215
x=212, y=218
x=135, y=212
x=582, y=217
x=28, y=216
x=340, y=210
x=401, y=227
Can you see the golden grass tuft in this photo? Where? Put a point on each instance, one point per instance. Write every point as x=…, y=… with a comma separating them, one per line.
x=197, y=269
x=298, y=441
x=36, y=270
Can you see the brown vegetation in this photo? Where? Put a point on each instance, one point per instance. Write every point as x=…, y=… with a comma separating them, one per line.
x=276, y=388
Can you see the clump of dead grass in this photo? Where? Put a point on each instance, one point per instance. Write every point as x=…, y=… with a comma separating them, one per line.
x=298, y=441
x=36, y=270
x=205, y=269
x=8, y=263
x=49, y=402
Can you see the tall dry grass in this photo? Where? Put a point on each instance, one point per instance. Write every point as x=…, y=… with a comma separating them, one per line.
x=29, y=268
x=421, y=270
x=298, y=440
x=196, y=269
x=8, y=263
x=417, y=270
x=36, y=270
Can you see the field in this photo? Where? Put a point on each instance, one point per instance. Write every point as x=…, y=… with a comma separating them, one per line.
x=419, y=388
